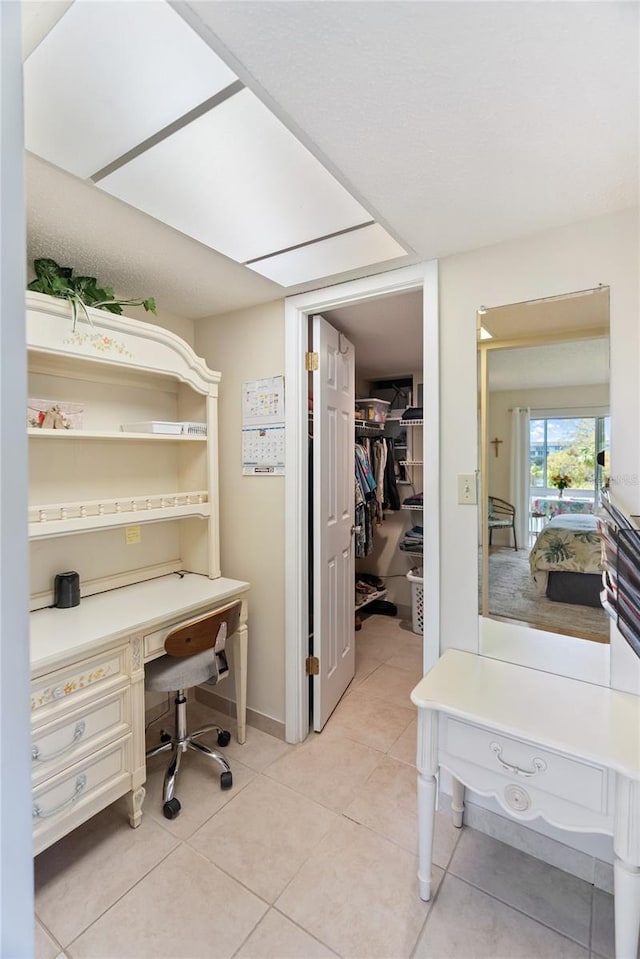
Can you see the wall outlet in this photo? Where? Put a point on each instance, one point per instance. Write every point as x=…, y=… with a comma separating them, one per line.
x=132, y=535
x=467, y=489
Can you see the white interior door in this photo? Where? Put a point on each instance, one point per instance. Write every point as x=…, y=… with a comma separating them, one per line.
x=333, y=515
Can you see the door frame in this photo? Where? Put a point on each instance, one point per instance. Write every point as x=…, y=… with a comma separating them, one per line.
x=422, y=276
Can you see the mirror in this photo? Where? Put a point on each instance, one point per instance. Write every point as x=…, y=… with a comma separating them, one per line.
x=544, y=431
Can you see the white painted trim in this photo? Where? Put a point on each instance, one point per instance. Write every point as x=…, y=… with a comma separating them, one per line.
x=296, y=526
x=431, y=460
x=297, y=308
x=16, y=844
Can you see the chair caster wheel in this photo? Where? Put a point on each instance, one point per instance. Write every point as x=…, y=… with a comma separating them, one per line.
x=165, y=737
x=224, y=737
x=226, y=780
x=171, y=808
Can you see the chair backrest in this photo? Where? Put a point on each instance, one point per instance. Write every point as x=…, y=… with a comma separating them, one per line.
x=203, y=632
x=500, y=510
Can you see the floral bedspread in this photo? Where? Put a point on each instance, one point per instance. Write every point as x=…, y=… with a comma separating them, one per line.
x=570, y=543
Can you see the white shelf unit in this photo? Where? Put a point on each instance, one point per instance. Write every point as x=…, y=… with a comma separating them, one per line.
x=88, y=485
x=415, y=466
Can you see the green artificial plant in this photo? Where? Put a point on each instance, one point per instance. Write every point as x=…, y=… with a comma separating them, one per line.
x=81, y=291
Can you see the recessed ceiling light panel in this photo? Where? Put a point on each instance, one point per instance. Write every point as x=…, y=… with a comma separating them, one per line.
x=337, y=254
x=238, y=181
x=110, y=75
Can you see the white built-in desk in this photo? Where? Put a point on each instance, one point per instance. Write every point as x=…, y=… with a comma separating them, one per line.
x=87, y=692
x=542, y=746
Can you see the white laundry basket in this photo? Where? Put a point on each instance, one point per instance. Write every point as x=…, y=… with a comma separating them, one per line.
x=417, y=599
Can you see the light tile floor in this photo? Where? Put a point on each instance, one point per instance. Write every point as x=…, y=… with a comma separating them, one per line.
x=311, y=854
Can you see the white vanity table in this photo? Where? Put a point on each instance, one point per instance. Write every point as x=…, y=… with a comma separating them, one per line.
x=543, y=746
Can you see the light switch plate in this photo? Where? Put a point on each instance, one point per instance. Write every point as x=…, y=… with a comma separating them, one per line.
x=467, y=489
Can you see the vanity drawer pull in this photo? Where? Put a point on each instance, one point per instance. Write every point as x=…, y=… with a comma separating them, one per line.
x=38, y=813
x=539, y=765
x=78, y=733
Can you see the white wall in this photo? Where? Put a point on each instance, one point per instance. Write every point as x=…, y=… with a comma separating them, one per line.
x=249, y=345
x=577, y=257
x=180, y=325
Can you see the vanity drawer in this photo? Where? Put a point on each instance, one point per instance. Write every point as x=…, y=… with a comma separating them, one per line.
x=78, y=681
x=517, y=761
x=67, y=740
x=64, y=801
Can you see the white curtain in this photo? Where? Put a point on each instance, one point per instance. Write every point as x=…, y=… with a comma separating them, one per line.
x=520, y=472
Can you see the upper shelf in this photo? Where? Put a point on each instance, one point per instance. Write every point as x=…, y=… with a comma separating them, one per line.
x=411, y=422
x=113, y=435
x=114, y=341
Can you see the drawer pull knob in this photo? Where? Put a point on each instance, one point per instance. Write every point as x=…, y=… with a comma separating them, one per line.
x=78, y=733
x=38, y=813
x=539, y=765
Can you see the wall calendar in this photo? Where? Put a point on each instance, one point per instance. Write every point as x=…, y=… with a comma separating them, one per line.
x=263, y=430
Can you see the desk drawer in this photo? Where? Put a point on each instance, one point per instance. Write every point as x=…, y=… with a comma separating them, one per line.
x=81, y=790
x=84, y=679
x=67, y=740
x=520, y=762
x=154, y=642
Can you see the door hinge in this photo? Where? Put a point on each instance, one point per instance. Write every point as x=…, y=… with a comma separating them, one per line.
x=310, y=362
x=312, y=666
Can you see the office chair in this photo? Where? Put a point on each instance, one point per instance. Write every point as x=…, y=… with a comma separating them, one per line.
x=502, y=515
x=194, y=654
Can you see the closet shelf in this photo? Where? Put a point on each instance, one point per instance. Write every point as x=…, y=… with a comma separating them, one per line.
x=411, y=506
x=411, y=462
x=78, y=435
x=411, y=422
x=379, y=595
x=368, y=429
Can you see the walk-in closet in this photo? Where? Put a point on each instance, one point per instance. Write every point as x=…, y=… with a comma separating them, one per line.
x=385, y=465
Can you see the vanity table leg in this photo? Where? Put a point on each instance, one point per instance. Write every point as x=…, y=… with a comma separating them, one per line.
x=626, y=883
x=427, y=764
x=427, y=792
x=240, y=670
x=457, y=802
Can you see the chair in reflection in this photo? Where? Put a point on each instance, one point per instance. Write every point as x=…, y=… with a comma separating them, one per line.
x=502, y=515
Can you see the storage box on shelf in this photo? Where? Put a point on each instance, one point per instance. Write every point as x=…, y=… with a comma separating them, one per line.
x=372, y=410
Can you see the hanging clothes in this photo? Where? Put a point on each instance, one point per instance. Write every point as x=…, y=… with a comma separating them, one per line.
x=365, y=500
x=391, y=498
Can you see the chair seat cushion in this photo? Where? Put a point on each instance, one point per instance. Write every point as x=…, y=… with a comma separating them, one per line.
x=170, y=673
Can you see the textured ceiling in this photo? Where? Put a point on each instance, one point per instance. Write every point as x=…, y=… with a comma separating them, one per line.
x=456, y=125
x=577, y=363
